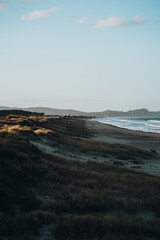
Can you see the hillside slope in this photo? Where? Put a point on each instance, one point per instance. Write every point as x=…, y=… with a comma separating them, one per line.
x=46, y=196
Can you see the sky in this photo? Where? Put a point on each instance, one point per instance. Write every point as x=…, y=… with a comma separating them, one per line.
x=89, y=55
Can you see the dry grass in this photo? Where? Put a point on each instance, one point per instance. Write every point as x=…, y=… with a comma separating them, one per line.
x=83, y=200
x=68, y=134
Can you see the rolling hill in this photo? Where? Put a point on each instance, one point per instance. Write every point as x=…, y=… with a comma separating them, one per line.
x=108, y=113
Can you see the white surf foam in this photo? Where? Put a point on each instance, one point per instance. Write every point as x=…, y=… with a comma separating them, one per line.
x=137, y=124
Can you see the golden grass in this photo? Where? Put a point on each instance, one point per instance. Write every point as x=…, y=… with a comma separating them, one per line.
x=18, y=128
x=16, y=124
x=40, y=125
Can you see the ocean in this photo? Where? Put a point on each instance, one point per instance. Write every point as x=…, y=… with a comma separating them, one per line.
x=137, y=124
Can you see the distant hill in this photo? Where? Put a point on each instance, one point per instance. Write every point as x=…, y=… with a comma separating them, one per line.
x=108, y=113
x=55, y=111
x=132, y=113
x=19, y=113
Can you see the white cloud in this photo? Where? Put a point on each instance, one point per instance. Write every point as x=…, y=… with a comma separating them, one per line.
x=37, y=14
x=82, y=20
x=110, y=22
x=2, y=5
x=138, y=20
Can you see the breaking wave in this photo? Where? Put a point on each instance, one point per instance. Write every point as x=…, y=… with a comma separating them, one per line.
x=138, y=124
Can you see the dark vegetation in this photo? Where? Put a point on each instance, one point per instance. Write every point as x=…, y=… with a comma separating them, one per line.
x=19, y=113
x=79, y=200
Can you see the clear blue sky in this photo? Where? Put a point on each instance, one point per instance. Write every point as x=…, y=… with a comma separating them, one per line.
x=88, y=55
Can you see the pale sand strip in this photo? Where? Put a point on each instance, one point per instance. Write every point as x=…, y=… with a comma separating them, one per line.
x=112, y=134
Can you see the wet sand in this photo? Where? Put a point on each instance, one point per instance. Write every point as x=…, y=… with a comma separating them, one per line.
x=108, y=133
x=111, y=134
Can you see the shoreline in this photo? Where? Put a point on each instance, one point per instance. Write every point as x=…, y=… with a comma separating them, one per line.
x=109, y=133
x=148, y=141
x=130, y=123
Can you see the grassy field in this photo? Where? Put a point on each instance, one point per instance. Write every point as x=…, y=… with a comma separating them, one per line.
x=44, y=195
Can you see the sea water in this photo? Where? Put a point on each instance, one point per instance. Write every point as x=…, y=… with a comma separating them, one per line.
x=138, y=124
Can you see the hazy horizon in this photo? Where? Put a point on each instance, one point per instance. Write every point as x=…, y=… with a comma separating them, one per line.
x=83, y=55
x=81, y=110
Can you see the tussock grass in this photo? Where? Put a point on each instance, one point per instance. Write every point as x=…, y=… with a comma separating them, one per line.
x=83, y=200
x=95, y=227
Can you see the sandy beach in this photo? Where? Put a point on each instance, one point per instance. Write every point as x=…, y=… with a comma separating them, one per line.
x=148, y=141
x=112, y=134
